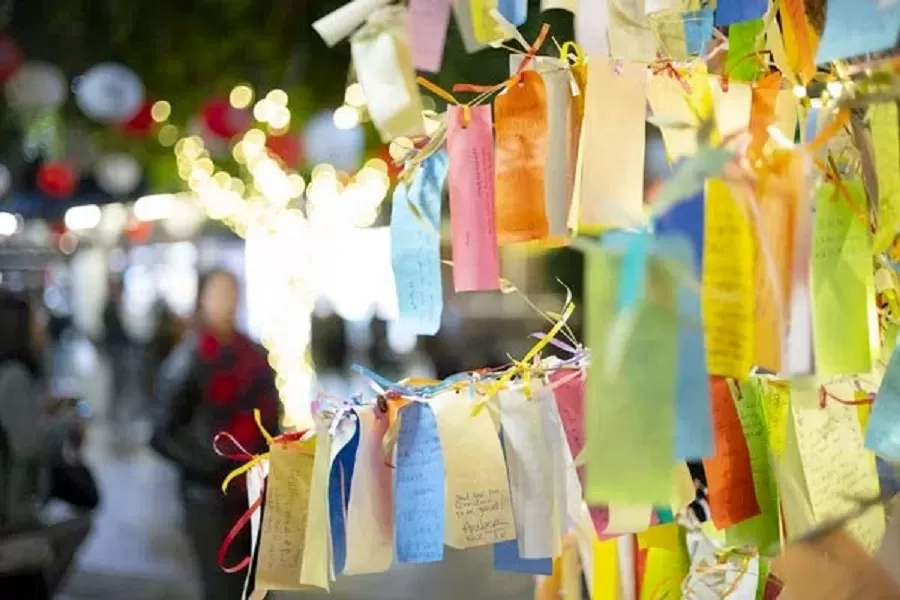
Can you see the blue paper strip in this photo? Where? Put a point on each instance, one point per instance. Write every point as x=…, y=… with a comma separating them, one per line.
x=698, y=27
x=419, y=487
x=514, y=11
x=506, y=558
x=883, y=434
x=634, y=269
x=686, y=218
x=693, y=428
x=339, y=482
x=416, y=246
x=856, y=27
x=735, y=11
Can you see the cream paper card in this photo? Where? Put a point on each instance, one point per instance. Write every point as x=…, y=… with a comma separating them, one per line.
x=478, y=505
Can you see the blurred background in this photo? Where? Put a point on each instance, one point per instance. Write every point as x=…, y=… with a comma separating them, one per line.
x=144, y=143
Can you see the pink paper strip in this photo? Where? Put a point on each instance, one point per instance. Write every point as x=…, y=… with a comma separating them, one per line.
x=568, y=389
x=476, y=260
x=428, y=22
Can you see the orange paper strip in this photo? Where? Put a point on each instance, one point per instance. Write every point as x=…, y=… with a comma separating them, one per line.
x=732, y=496
x=521, y=145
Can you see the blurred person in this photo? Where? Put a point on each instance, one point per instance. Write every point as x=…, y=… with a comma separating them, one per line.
x=167, y=333
x=116, y=345
x=40, y=458
x=211, y=383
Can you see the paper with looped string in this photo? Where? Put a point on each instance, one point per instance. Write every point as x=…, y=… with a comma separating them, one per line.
x=284, y=524
x=630, y=417
x=836, y=467
x=470, y=146
x=521, y=130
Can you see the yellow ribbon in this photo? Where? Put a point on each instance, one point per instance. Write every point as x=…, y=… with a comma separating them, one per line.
x=257, y=416
x=520, y=366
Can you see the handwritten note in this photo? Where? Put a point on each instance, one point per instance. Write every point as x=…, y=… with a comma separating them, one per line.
x=836, y=467
x=530, y=468
x=775, y=398
x=317, y=555
x=883, y=434
x=885, y=127
x=729, y=475
x=567, y=489
x=478, y=508
x=476, y=261
x=284, y=522
x=383, y=64
x=521, y=146
x=416, y=246
x=428, y=22
x=560, y=153
x=732, y=109
x=629, y=33
x=630, y=423
x=419, y=487
x=853, y=28
x=612, y=174
x=731, y=12
x=760, y=531
x=842, y=280
x=727, y=283
x=370, y=515
x=669, y=104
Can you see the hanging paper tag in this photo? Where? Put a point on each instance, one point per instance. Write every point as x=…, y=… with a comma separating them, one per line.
x=484, y=25
x=514, y=11
x=630, y=445
x=383, y=63
x=630, y=36
x=732, y=497
x=611, y=153
x=478, y=508
x=507, y=558
x=760, y=531
x=419, y=487
x=416, y=246
x=343, y=460
x=837, y=470
x=530, y=468
x=733, y=12
x=337, y=25
x=853, y=28
x=727, y=283
x=462, y=12
x=883, y=435
x=698, y=27
x=677, y=122
x=256, y=480
x=428, y=22
x=744, y=40
x=591, y=22
x=317, y=557
x=470, y=146
x=370, y=517
x=885, y=127
x=842, y=280
x=732, y=109
x=284, y=524
x=521, y=146
x=556, y=172
x=800, y=39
